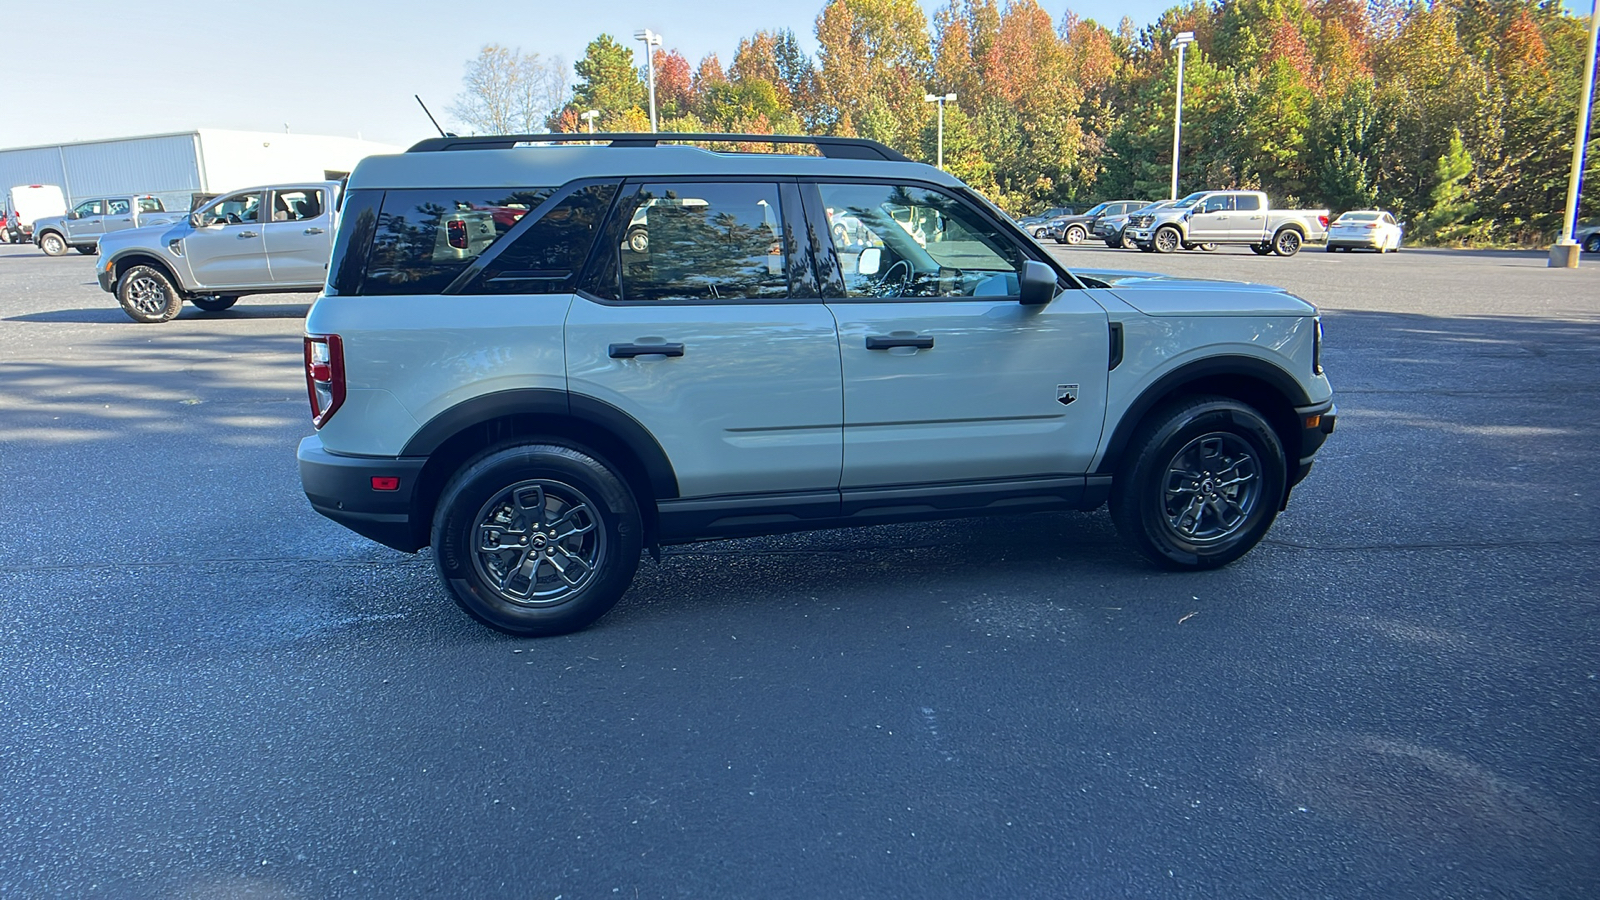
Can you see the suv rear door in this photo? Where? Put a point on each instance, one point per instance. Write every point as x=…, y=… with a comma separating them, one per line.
x=701, y=320
x=299, y=238
x=947, y=376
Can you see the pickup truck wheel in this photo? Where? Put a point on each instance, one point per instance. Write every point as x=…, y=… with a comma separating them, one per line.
x=213, y=304
x=1208, y=247
x=1203, y=482
x=1075, y=234
x=87, y=251
x=1261, y=249
x=1147, y=248
x=147, y=296
x=52, y=244
x=1167, y=239
x=1286, y=243
x=537, y=539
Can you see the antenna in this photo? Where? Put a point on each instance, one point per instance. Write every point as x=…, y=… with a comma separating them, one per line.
x=430, y=115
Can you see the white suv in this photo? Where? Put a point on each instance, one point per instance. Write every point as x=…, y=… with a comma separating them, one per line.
x=542, y=403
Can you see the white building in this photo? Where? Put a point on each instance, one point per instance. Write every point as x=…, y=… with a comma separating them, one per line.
x=174, y=167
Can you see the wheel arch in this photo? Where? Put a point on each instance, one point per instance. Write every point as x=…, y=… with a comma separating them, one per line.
x=1261, y=384
x=121, y=264
x=454, y=436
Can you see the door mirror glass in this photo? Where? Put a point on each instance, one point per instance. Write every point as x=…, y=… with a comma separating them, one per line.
x=74, y=215
x=869, y=263
x=1038, y=283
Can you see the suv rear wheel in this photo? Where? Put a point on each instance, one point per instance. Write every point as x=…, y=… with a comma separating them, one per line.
x=537, y=539
x=147, y=296
x=1203, y=482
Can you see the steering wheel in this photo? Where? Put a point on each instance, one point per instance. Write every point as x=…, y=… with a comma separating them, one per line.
x=233, y=219
x=888, y=276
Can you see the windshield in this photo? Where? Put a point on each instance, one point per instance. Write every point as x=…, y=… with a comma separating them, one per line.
x=1190, y=200
x=1097, y=209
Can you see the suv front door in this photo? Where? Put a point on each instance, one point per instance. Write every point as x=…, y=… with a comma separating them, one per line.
x=227, y=249
x=947, y=376
x=701, y=322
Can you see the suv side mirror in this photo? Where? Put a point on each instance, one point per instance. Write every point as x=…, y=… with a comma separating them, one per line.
x=1038, y=283
x=869, y=262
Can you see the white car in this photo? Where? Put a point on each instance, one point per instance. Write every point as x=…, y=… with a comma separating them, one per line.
x=1369, y=229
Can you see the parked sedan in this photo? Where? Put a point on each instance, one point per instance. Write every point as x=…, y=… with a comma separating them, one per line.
x=1109, y=228
x=1076, y=229
x=1369, y=229
x=1037, y=224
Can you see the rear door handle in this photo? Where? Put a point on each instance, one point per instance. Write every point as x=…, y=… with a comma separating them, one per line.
x=629, y=351
x=248, y=234
x=313, y=231
x=885, y=342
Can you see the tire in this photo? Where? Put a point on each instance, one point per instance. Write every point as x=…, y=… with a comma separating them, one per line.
x=1261, y=249
x=1074, y=234
x=1286, y=242
x=639, y=240
x=1208, y=247
x=89, y=250
x=53, y=244
x=213, y=304
x=1166, y=239
x=1215, y=439
x=568, y=489
x=147, y=295
x=1591, y=244
x=1147, y=248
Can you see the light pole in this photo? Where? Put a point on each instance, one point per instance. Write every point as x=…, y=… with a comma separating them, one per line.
x=1564, y=254
x=651, y=39
x=1184, y=39
x=942, y=99
x=589, y=117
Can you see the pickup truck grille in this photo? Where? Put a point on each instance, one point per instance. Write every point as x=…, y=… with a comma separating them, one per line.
x=1141, y=221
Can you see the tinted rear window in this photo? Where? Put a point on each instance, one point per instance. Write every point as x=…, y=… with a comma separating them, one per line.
x=423, y=239
x=548, y=256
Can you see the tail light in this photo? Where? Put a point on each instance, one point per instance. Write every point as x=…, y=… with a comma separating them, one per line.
x=1323, y=220
x=456, y=233
x=324, y=376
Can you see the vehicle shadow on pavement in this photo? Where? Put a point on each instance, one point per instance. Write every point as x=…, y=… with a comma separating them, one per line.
x=114, y=315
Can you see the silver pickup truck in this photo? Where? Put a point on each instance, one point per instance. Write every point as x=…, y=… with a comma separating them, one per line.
x=83, y=227
x=1227, y=217
x=264, y=240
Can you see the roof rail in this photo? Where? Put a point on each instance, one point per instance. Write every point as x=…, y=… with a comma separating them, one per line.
x=831, y=147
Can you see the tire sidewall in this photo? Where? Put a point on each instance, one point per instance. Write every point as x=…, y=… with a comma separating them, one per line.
x=53, y=244
x=1139, y=498
x=1074, y=234
x=1287, y=242
x=454, y=524
x=167, y=313
x=1172, y=234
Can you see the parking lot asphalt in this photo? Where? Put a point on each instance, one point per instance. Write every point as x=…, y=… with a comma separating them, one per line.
x=208, y=691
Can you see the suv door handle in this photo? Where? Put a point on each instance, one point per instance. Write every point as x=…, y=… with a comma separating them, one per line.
x=248, y=234
x=629, y=351
x=885, y=342
x=319, y=230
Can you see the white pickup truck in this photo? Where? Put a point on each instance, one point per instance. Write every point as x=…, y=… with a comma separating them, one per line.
x=263, y=240
x=83, y=226
x=1227, y=217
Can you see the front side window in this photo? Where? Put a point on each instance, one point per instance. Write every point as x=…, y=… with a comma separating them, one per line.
x=234, y=210
x=699, y=241
x=1219, y=203
x=90, y=208
x=423, y=239
x=905, y=241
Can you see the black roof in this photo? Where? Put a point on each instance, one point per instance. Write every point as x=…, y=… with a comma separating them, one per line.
x=830, y=147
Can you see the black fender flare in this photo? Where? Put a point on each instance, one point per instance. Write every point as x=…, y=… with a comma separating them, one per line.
x=143, y=257
x=547, y=401
x=1248, y=367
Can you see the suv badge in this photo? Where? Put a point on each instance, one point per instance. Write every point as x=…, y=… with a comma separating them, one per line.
x=1066, y=393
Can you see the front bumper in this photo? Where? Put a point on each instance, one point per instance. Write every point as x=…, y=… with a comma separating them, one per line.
x=103, y=275
x=340, y=487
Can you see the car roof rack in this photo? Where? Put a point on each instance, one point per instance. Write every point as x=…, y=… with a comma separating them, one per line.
x=830, y=147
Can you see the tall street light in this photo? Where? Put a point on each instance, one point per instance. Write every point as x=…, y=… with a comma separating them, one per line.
x=651, y=39
x=589, y=117
x=1184, y=39
x=942, y=99
x=1564, y=254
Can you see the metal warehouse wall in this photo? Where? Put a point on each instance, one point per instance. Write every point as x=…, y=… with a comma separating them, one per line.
x=166, y=165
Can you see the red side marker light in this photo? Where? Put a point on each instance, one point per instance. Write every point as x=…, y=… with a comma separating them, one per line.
x=385, y=483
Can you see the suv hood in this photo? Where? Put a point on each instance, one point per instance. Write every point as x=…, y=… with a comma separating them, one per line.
x=1167, y=295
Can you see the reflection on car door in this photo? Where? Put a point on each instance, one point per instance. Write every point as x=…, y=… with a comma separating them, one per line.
x=699, y=332
x=299, y=237
x=947, y=377
x=228, y=252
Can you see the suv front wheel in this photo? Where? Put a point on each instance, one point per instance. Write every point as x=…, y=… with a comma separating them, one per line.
x=1204, y=480
x=537, y=539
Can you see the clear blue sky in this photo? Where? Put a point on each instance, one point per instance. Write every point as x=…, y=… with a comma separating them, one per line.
x=94, y=68
x=97, y=68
